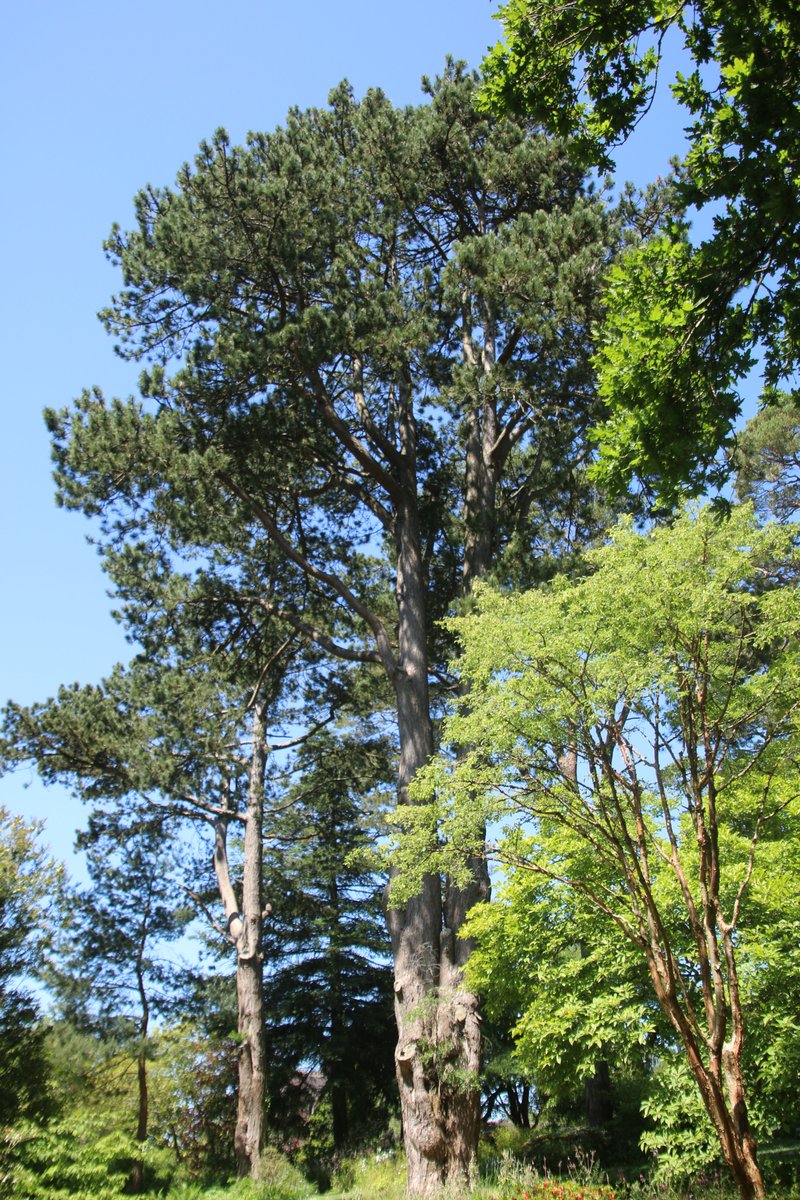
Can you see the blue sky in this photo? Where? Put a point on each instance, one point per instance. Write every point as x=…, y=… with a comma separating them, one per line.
x=97, y=100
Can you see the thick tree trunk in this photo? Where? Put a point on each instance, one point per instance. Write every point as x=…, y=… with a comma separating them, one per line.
x=598, y=1101
x=439, y=1046
x=458, y=1032
x=415, y=929
x=438, y=1049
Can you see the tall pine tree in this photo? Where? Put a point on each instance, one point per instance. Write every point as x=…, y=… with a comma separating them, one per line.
x=371, y=334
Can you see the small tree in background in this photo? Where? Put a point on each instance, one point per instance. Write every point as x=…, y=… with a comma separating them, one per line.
x=168, y=744
x=767, y=461
x=29, y=883
x=328, y=989
x=111, y=977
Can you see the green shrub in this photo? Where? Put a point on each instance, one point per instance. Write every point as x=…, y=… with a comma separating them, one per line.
x=280, y=1181
x=66, y=1160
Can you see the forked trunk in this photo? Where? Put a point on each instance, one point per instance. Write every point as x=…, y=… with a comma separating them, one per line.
x=723, y=1095
x=733, y=1130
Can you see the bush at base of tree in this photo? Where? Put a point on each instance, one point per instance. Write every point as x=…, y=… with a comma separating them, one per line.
x=69, y=1159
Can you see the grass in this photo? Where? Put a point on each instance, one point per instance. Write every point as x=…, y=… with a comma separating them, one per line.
x=503, y=1176
x=382, y=1177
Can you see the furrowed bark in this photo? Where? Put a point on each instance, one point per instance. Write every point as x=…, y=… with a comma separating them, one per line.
x=438, y=1050
x=415, y=929
x=458, y=1020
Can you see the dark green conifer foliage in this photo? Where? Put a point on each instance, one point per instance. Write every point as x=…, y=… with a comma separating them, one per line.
x=767, y=461
x=174, y=741
x=328, y=986
x=368, y=338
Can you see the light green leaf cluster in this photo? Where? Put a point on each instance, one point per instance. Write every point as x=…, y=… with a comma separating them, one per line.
x=701, y=616
x=590, y=71
x=682, y=1138
x=544, y=665
x=28, y=879
x=30, y=882
x=769, y=958
x=668, y=380
x=577, y=988
x=69, y=1160
x=534, y=68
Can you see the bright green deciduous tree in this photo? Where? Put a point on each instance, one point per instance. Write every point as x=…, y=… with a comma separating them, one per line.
x=689, y=316
x=573, y=993
x=578, y=991
x=29, y=883
x=637, y=734
x=111, y=975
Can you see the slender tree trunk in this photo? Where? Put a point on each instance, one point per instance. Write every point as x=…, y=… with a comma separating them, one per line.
x=249, y=1135
x=137, y=1172
x=333, y=1069
x=245, y=929
x=728, y=1114
x=519, y=1111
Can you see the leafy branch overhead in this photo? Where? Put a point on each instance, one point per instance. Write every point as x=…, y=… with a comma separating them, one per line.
x=697, y=320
